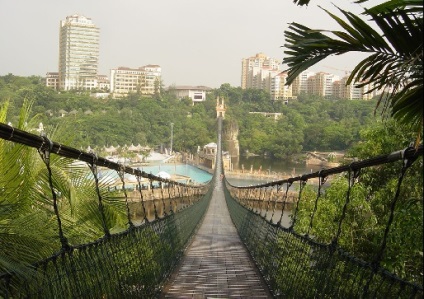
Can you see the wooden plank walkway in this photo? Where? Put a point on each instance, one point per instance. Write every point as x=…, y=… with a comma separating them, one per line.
x=216, y=264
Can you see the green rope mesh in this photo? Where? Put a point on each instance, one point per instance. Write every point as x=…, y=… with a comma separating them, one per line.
x=134, y=263
x=296, y=264
x=131, y=264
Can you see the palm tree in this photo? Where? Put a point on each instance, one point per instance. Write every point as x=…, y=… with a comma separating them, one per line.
x=28, y=224
x=395, y=63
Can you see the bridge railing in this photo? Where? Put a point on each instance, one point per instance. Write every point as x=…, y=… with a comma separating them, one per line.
x=99, y=241
x=353, y=231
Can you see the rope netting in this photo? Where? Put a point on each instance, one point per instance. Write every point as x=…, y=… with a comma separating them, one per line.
x=318, y=236
x=132, y=256
x=313, y=236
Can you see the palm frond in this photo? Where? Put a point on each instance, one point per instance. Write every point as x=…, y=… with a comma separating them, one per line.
x=408, y=6
x=301, y=2
x=395, y=61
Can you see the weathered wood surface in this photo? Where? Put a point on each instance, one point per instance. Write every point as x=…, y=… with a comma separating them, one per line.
x=216, y=264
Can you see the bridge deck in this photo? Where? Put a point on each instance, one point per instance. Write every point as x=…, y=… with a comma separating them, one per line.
x=216, y=264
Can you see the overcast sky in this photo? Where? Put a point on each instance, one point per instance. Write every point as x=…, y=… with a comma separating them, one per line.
x=196, y=42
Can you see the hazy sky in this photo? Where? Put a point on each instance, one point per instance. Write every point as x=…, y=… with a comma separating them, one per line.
x=196, y=42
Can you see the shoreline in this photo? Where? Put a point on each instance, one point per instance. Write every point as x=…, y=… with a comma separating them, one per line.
x=238, y=174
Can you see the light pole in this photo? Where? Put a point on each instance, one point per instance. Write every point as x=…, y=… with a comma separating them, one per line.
x=172, y=136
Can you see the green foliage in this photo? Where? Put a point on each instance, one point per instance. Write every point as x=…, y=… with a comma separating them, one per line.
x=309, y=123
x=84, y=121
x=29, y=226
x=395, y=61
x=369, y=206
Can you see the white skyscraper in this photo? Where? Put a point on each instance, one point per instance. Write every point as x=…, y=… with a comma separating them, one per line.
x=78, y=53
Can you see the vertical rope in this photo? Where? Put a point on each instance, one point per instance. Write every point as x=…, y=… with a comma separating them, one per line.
x=93, y=168
x=252, y=196
x=288, y=185
x=302, y=185
x=121, y=174
x=261, y=199
x=242, y=196
x=351, y=181
x=44, y=152
x=270, y=196
x=171, y=210
x=161, y=185
x=153, y=198
x=332, y=260
x=142, y=198
x=174, y=196
x=278, y=188
x=376, y=262
x=320, y=183
x=179, y=191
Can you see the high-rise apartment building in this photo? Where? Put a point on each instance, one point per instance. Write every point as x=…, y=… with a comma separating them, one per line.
x=352, y=92
x=321, y=84
x=78, y=53
x=281, y=91
x=256, y=70
x=300, y=84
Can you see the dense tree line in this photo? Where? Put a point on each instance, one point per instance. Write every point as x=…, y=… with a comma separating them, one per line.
x=86, y=121
x=308, y=123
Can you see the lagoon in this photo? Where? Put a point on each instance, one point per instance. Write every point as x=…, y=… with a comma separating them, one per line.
x=200, y=176
x=197, y=175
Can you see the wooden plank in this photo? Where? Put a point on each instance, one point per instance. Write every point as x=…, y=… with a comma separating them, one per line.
x=216, y=264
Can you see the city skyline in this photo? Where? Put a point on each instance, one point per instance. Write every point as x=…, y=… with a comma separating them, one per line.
x=194, y=43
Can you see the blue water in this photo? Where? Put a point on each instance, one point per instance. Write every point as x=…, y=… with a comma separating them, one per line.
x=197, y=175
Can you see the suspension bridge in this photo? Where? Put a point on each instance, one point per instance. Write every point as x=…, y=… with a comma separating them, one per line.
x=209, y=241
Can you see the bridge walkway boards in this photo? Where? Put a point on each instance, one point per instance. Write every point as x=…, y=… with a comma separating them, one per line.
x=216, y=264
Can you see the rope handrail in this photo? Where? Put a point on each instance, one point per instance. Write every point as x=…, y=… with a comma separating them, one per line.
x=409, y=152
x=39, y=142
x=135, y=262
x=129, y=261
x=299, y=260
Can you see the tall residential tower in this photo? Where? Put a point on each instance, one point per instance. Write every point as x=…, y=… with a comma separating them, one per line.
x=78, y=53
x=256, y=70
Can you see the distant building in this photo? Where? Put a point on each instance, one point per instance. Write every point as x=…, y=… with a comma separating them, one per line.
x=195, y=93
x=263, y=72
x=279, y=90
x=52, y=80
x=103, y=82
x=256, y=70
x=300, y=84
x=207, y=157
x=321, y=84
x=352, y=92
x=78, y=53
x=275, y=116
x=143, y=80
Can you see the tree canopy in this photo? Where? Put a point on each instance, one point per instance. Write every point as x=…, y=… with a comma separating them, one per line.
x=395, y=61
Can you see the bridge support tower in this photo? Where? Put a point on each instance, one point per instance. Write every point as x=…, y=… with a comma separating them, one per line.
x=220, y=107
